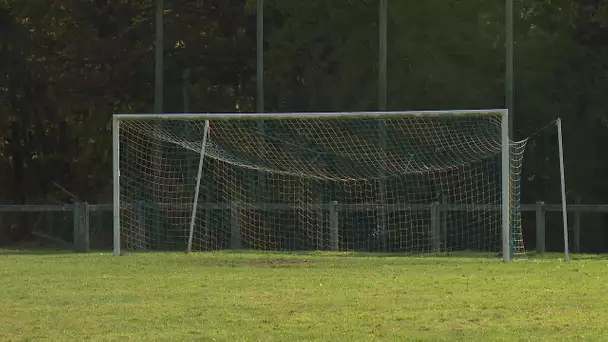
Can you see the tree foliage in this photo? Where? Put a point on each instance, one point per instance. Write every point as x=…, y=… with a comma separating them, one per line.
x=67, y=65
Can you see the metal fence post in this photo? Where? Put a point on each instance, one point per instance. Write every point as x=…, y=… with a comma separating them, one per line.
x=435, y=227
x=576, y=228
x=445, y=215
x=236, y=240
x=540, y=227
x=334, y=226
x=81, y=227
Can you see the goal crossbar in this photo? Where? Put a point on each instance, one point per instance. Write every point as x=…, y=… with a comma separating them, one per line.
x=312, y=115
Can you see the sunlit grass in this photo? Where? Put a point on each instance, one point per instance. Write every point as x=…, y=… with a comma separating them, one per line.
x=309, y=296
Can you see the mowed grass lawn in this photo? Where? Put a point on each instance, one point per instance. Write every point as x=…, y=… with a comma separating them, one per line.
x=286, y=297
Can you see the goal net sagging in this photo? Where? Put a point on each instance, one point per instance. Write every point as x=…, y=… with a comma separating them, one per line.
x=392, y=183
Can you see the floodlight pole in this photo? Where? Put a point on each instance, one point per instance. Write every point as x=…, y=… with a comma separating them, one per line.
x=186, y=90
x=158, y=88
x=158, y=64
x=382, y=53
x=260, y=185
x=509, y=64
x=382, y=106
x=260, y=57
x=510, y=134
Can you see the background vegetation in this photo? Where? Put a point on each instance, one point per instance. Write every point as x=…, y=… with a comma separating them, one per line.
x=67, y=65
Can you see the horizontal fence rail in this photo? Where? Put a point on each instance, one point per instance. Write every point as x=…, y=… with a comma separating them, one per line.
x=81, y=213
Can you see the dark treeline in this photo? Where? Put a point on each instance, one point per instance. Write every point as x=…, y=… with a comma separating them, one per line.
x=68, y=65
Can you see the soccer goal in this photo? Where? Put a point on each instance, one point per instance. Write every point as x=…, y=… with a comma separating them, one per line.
x=422, y=182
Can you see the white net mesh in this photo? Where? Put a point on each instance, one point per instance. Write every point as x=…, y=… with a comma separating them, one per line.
x=394, y=184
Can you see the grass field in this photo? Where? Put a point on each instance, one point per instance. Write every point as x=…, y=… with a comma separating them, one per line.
x=286, y=297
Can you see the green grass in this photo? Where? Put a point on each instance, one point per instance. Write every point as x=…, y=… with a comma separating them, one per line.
x=286, y=297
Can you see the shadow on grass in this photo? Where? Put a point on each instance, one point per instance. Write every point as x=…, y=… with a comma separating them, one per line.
x=39, y=251
x=360, y=254
x=273, y=255
x=44, y=251
x=462, y=255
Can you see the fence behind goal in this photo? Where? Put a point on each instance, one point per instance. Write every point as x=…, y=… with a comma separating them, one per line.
x=416, y=182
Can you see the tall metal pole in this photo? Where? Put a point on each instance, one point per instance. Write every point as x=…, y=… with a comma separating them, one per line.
x=186, y=90
x=259, y=187
x=510, y=111
x=509, y=64
x=155, y=193
x=260, y=57
x=382, y=62
x=382, y=106
x=158, y=63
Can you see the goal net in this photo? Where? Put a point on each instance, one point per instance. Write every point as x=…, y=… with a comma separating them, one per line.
x=413, y=182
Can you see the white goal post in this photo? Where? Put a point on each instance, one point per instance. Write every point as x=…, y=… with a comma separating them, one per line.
x=310, y=181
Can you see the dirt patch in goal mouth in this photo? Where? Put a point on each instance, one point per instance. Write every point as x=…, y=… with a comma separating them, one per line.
x=279, y=262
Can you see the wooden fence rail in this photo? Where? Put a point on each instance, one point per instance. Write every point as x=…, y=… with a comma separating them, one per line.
x=81, y=215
